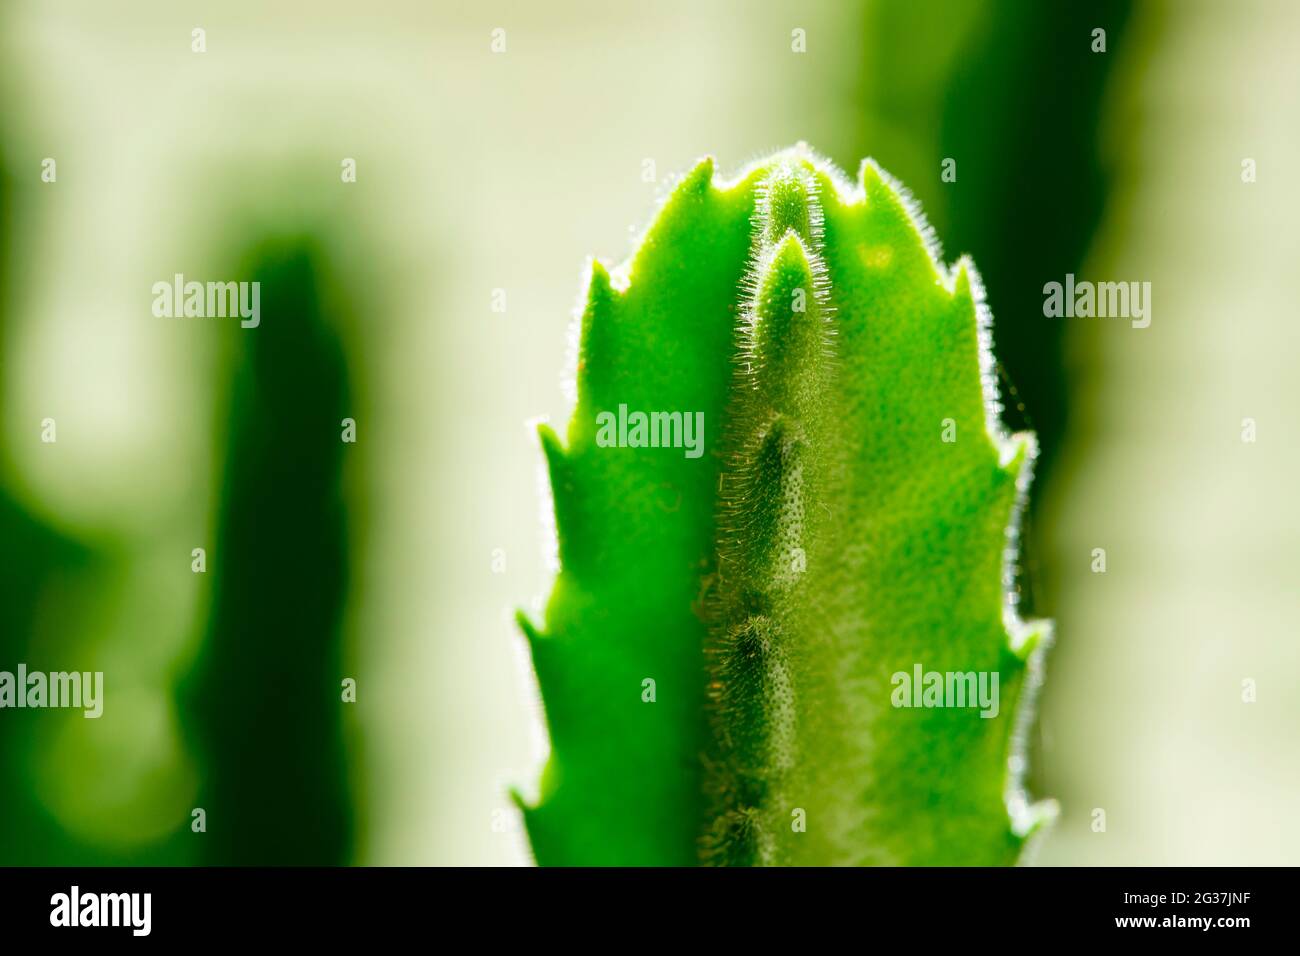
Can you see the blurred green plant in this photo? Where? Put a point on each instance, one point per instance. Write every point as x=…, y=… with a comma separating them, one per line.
x=850, y=524
x=263, y=702
x=38, y=618
x=263, y=705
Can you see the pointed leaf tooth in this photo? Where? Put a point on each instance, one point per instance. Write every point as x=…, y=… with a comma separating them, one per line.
x=599, y=338
x=551, y=443
x=522, y=803
x=564, y=494
x=531, y=632
x=557, y=459
x=903, y=244
x=1029, y=820
x=600, y=290
x=967, y=284
x=870, y=178
x=699, y=179
x=1027, y=638
x=1016, y=455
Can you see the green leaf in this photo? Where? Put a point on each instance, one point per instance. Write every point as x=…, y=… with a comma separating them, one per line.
x=729, y=634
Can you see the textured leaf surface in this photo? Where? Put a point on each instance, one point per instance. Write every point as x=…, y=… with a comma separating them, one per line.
x=851, y=518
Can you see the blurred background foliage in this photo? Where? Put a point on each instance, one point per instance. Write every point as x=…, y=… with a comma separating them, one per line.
x=265, y=696
x=398, y=561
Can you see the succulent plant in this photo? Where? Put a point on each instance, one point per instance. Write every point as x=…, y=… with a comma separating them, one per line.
x=784, y=630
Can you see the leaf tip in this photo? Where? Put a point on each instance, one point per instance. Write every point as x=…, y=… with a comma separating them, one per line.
x=598, y=281
x=551, y=445
x=965, y=282
x=522, y=803
x=1015, y=451
x=525, y=624
x=700, y=177
x=1029, y=820
x=870, y=178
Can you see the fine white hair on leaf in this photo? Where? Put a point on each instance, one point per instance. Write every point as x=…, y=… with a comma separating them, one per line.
x=548, y=535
